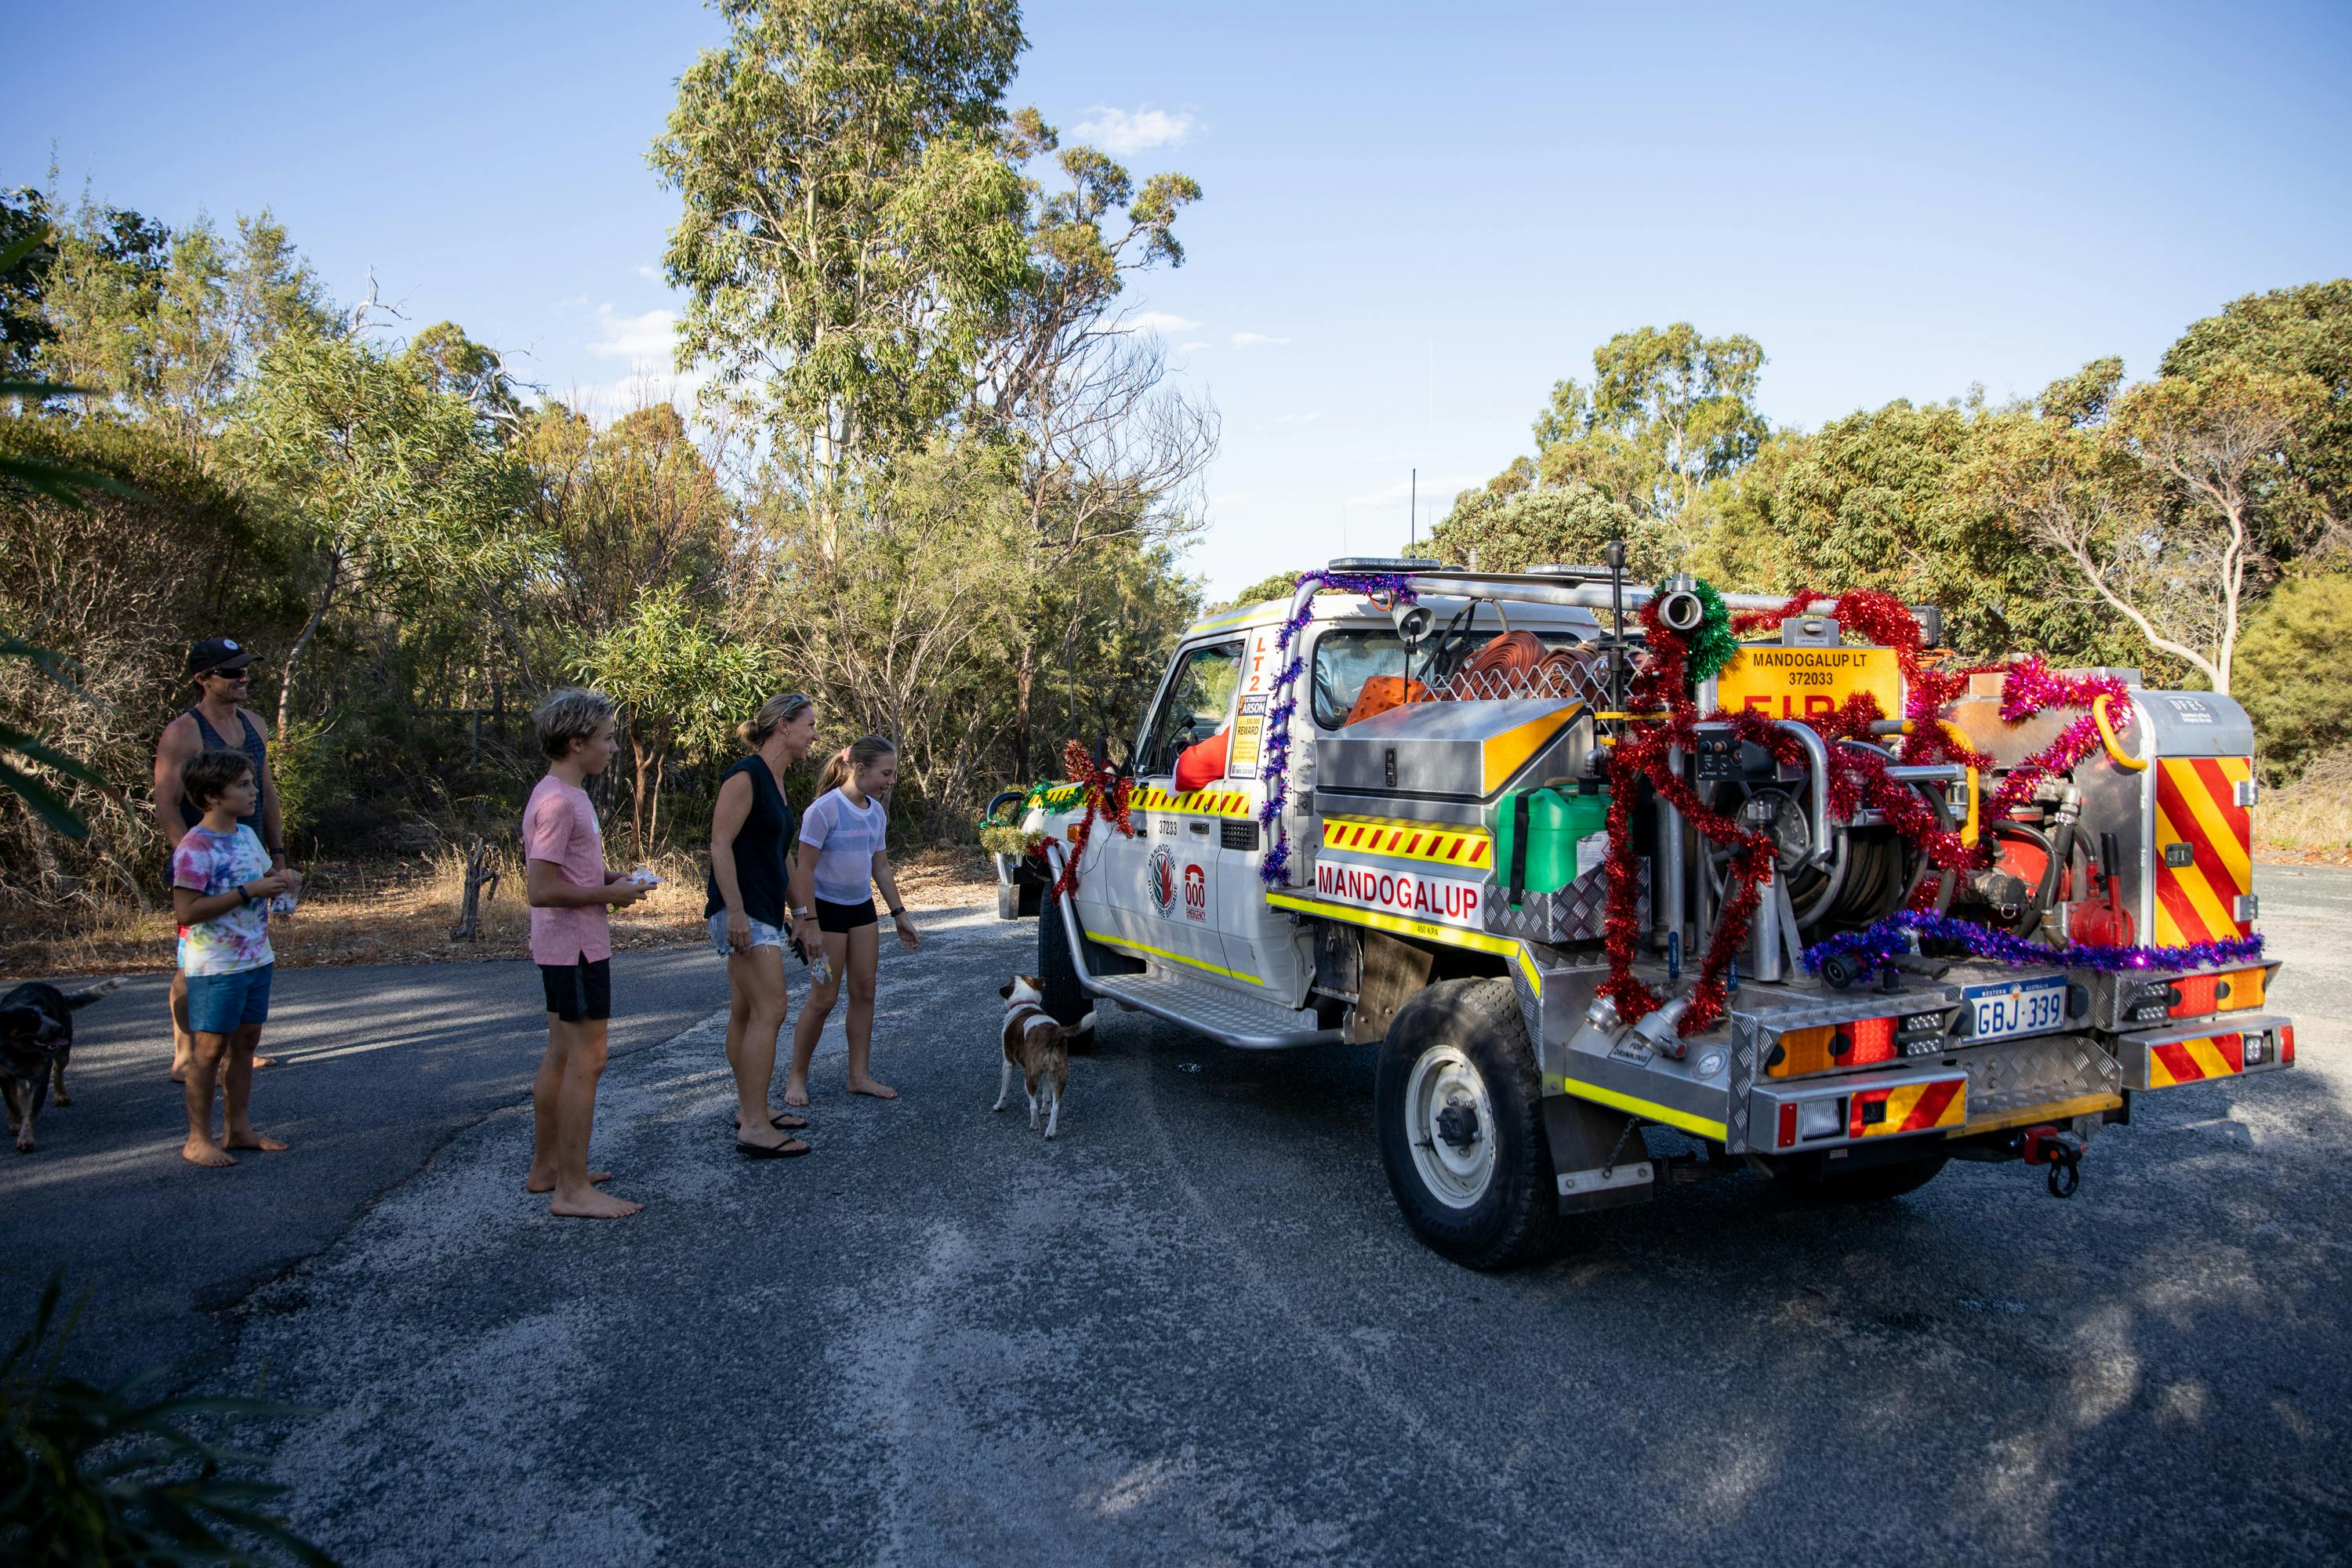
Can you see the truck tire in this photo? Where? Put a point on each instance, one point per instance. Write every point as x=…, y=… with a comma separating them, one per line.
x=1876, y=1185
x=1057, y=974
x=1460, y=1108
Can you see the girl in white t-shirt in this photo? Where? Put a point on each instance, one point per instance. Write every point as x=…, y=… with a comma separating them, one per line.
x=843, y=856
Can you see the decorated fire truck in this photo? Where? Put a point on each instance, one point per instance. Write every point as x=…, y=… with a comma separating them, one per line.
x=1634, y=885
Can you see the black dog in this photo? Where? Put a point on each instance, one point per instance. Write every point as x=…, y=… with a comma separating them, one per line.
x=35, y=1041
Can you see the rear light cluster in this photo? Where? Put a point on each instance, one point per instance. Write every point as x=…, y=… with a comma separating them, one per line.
x=2196, y=995
x=1861, y=1042
x=2286, y=1043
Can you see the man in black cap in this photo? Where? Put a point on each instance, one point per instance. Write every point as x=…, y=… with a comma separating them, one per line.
x=218, y=720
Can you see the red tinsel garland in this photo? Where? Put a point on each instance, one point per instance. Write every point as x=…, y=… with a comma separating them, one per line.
x=1858, y=776
x=1113, y=808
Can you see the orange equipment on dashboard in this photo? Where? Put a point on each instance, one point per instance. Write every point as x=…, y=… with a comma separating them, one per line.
x=1383, y=692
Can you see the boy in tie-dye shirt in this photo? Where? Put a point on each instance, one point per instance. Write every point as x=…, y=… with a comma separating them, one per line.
x=221, y=889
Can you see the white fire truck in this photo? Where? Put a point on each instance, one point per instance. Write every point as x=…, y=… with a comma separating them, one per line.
x=1442, y=893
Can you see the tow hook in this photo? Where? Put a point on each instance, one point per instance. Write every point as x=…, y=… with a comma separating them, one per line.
x=2062, y=1152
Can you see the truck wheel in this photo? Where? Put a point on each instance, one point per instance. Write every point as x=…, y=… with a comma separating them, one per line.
x=1460, y=1108
x=1057, y=974
x=1875, y=1185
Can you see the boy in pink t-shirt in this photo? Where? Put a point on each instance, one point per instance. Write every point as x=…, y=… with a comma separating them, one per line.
x=571, y=893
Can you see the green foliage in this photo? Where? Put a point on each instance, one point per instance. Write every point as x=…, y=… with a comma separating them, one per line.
x=1279, y=586
x=103, y=1475
x=852, y=227
x=2300, y=332
x=2290, y=672
x=1558, y=524
x=1666, y=412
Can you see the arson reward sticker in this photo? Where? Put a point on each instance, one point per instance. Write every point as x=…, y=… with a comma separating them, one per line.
x=1441, y=899
x=1248, y=739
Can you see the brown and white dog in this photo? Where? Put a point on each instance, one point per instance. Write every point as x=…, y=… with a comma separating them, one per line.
x=1039, y=1047
x=36, y=1042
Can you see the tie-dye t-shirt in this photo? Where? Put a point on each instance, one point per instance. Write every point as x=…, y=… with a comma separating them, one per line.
x=208, y=863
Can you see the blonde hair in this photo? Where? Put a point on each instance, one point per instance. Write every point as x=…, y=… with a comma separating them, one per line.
x=567, y=714
x=773, y=715
x=863, y=752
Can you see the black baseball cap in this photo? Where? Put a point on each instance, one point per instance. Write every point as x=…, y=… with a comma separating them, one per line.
x=217, y=653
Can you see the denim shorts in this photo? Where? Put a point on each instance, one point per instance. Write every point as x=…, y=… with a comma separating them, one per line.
x=763, y=935
x=223, y=1004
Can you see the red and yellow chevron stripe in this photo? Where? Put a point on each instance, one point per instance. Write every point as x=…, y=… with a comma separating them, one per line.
x=1197, y=803
x=2196, y=805
x=1909, y=1108
x=2192, y=1061
x=1467, y=848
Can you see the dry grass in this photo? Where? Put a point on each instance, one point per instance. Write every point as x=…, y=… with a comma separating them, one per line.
x=353, y=914
x=2311, y=819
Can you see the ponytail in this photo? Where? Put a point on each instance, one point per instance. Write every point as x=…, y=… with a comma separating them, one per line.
x=862, y=753
x=773, y=715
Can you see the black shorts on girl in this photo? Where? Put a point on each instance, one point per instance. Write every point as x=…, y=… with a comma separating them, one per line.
x=843, y=919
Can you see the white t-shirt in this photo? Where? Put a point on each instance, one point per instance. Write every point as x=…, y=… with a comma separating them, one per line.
x=845, y=839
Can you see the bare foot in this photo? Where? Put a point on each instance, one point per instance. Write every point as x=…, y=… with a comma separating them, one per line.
x=593, y=1205
x=205, y=1152
x=268, y=1145
x=265, y=1061
x=180, y=1072
x=535, y=1183
x=868, y=1086
x=796, y=1096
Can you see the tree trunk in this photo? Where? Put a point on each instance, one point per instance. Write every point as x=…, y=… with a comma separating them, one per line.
x=1024, y=681
x=318, y=614
x=642, y=758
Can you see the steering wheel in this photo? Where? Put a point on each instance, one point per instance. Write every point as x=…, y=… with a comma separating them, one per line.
x=1456, y=630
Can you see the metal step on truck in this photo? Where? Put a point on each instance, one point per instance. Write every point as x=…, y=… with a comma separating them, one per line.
x=1821, y=902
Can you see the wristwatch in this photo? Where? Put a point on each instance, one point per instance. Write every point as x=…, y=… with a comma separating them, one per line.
x=899, y=914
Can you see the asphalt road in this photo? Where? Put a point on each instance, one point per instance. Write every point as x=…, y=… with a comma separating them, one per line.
x=1194, y=1330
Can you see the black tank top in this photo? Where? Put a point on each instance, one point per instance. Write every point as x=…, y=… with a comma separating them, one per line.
x=759, y=845
x=254, y=747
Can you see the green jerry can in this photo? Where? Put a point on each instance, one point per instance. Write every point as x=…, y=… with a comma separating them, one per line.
x=1537, y=835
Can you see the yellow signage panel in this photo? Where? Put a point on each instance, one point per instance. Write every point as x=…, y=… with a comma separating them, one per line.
x=1809, y=683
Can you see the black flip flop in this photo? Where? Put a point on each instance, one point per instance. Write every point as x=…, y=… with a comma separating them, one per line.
x=785, y=1123
x=767, y=1151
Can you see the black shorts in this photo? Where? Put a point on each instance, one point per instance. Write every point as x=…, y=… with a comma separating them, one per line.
x=843, y=919
x=580, y=990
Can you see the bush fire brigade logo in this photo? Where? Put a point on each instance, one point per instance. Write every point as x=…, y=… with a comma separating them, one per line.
x=1160, y=881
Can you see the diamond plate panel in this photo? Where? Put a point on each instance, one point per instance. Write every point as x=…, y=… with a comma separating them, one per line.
x=1575, y=913
x=2018, y=1075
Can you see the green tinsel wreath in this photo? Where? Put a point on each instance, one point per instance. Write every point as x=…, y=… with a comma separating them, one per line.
x=1711, y=644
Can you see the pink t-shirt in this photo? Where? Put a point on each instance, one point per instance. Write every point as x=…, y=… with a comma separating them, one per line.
x=558, y=824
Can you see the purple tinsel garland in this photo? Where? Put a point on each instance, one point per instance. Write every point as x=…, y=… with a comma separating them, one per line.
x=1275, y=870
x=1873, y=946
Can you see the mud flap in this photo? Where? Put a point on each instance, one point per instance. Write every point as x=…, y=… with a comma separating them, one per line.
x=1597, y=1158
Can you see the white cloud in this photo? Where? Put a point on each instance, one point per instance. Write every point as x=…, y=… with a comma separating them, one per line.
x=652, y=272
x=1124, y=133
x=1188, y=348
x=647, y=337
x=1160, y=321
x=1255, y=339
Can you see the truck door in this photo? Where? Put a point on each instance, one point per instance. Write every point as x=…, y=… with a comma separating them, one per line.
x=1158, y=890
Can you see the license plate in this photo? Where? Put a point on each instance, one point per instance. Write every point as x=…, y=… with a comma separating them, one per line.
x=2017, y=1008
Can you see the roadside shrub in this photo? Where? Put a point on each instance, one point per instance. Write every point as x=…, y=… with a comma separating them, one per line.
x=2289, y=674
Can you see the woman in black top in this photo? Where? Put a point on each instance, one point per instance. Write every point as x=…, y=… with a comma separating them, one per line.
x=751, y=829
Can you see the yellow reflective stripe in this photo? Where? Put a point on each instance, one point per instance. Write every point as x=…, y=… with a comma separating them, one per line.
x=1428, y=931
x=1173, y=957
x=2089, y=1105
x=1234, y=618
x=1463, y=849
x=1643, y=1107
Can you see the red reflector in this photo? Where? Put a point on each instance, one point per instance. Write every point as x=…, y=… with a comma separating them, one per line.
x=1788, y=1123
x=1858, y=1114
x=2197, y=996
x=2286, y=1043
x=1873, y=1041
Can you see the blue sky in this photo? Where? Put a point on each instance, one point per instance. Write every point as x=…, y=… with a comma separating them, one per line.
x=1416, y=217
